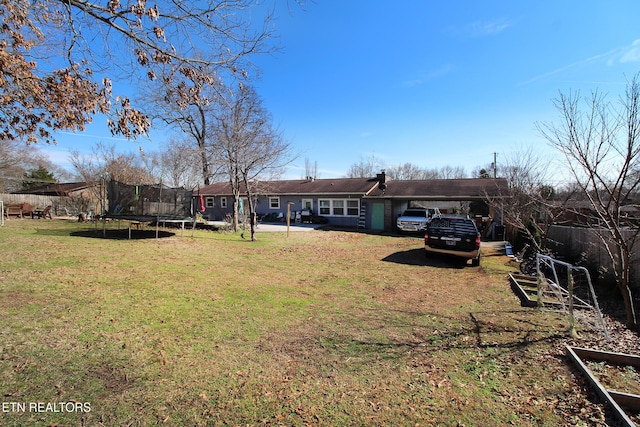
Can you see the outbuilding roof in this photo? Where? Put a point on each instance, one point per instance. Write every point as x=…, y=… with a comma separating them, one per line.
x=57, y=189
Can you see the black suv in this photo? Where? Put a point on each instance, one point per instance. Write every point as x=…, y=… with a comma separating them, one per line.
x=453, y=235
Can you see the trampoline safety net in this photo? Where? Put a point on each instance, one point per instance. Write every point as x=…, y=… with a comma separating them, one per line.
x=148, y=201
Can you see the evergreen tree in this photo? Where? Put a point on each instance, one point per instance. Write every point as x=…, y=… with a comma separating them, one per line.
x=37, y=177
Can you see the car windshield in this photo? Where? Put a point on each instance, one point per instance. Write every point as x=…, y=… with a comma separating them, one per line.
x=415, y=213
x=454, y=224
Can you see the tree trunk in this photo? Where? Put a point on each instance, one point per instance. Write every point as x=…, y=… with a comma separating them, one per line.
x=625, y=290
x=235, y=190
x=630, y=310
x=206, y=170
x=252, y=221
x=251, y=207
x=234, y=222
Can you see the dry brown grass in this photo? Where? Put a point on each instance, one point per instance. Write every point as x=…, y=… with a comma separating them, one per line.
x=324, y=328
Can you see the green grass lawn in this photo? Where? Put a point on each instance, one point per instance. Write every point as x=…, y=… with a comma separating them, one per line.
x=322, y=328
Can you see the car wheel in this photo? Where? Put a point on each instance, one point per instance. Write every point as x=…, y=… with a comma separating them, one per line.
x=476, y=261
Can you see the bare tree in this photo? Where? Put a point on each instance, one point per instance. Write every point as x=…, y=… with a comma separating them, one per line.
x=528, y=204
x=365, y=168
x=451, y=172
x=409, y=171
x=249, y=147
x=179, y=164
x=601, y=145
x=310, y=169
x=105, y=164
x=16, y=159
x=59, y=59
x=105, y=161
x=188, y=100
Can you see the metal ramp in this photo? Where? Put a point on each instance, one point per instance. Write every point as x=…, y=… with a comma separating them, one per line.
x=554, y=287
x=526, y=288
x=552, y=295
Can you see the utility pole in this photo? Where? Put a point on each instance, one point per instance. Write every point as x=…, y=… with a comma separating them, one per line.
x=495, y=165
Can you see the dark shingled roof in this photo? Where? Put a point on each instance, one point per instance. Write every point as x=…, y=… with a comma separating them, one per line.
x=443, y=189
x=299, y=186
x=57, y=189
x=432, y=189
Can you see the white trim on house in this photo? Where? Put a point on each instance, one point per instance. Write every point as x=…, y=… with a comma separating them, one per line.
x=339, y=207
x=273, y=205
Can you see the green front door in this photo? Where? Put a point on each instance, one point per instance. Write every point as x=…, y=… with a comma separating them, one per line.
x=377, y=216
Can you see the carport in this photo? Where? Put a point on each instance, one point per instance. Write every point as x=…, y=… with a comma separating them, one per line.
x=387, y=203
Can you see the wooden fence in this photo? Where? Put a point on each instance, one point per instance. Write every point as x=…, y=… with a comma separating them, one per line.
x=62, y=206
x=575, y=241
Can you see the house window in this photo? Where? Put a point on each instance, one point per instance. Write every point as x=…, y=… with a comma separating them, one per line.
x=339, y=207
x=223, y=202
x=307, y=204
x=274, y=202
x=353, y=208
x=325, y=207
x=208, y=202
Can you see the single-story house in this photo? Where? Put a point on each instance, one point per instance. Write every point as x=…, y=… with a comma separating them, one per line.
x=367, y=203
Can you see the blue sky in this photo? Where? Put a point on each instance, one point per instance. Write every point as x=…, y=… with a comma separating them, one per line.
x=427, y=82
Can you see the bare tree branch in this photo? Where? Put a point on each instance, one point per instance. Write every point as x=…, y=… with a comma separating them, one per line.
x=128, y=37
x=601, y=145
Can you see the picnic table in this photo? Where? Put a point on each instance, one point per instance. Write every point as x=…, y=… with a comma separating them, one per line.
x=22, y=210
x=18, y=209
x=42, y=213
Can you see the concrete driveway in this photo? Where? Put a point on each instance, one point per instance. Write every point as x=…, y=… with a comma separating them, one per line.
x=271, y=227
x=267, y=227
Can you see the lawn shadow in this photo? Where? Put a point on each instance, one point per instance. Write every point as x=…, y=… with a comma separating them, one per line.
x=123, y=234
x=417, y=257
x=504, y=331
x=53, y=232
